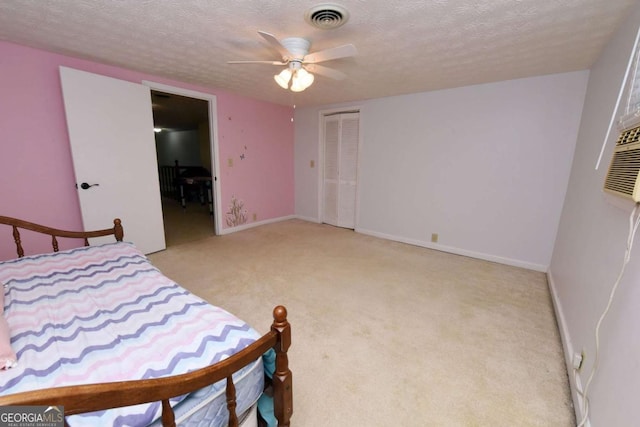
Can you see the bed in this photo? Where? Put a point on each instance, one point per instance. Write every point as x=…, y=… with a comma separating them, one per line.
x=101, y=332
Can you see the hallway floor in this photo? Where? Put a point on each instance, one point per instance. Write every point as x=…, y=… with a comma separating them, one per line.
x=185, y=225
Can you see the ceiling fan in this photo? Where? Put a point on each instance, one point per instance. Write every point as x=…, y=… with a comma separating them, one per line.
x=300, y=63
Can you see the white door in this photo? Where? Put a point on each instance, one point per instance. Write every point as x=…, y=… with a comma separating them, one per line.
x=110, y=125
x=341, y=138
x=331, y=162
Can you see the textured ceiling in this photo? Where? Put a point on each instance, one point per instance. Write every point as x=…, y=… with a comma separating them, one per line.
x=403, y=46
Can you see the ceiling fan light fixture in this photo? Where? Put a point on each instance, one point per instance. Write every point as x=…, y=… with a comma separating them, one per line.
x=283, y=78
x=297, y=87
x=296, y=57
x=302, y=79
x=299, y=77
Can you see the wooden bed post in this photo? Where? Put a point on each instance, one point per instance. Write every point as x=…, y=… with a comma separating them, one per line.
x=282, y=390
x=16, y=238
x=117, y=229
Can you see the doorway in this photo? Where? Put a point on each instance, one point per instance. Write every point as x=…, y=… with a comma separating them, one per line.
x=185, y=166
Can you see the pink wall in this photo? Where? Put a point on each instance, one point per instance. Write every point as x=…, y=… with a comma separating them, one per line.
x=259, y=142
x=38, y=182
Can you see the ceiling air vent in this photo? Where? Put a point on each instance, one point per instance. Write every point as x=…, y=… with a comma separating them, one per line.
x=622, y=177
x=327, y=16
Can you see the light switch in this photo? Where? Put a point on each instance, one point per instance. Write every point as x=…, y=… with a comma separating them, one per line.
x=312, y=164
x=230, y=162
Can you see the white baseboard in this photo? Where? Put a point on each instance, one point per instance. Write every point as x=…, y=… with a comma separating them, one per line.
x=457, y=251
x=308, y=218
x=415, y=242
x=575, y=382
x=255, y=224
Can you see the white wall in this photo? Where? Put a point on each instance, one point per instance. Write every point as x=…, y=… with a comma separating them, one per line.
x=589, y=250
x=486, y=167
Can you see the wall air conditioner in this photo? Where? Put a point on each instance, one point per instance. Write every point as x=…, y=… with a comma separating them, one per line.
x=623, y=176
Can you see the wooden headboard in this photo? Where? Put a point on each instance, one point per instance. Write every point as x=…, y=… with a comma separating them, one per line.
x=17, y=224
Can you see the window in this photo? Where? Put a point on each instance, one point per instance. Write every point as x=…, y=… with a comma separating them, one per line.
x=631, y=115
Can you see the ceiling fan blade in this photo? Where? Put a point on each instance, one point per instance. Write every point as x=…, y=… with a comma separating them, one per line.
x=325, y=71
x=275, y=43
x=330, y=54
x=258, y=62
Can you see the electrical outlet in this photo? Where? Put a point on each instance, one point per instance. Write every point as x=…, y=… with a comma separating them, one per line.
x=312, y=164
x=255, y=217
x=434, y=237
x=230, y=162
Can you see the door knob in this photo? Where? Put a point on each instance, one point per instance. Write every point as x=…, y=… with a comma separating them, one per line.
x=86, y=186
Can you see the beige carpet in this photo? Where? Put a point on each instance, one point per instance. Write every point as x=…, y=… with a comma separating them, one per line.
x=388, y=334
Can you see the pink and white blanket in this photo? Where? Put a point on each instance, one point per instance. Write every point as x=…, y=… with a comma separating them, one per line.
x=104, y=313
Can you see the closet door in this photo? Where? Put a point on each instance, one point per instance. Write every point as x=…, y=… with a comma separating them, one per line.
x=341, y=137
x=331, y=147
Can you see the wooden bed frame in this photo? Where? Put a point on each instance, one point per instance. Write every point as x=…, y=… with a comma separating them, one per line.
x=97, y=397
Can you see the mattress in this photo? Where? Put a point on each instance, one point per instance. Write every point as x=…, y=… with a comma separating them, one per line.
x=208, y=407
x=104, y=313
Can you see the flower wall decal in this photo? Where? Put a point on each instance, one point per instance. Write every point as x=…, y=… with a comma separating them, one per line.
x=237, y=214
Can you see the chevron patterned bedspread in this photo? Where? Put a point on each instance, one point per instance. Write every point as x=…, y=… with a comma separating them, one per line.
x=104, y=313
